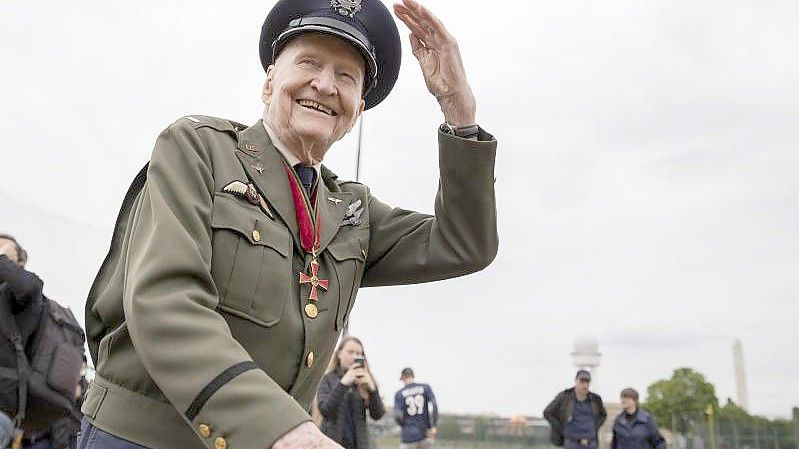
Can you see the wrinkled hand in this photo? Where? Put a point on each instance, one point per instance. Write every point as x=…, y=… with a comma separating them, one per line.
x=440, y=60
x=305, y=436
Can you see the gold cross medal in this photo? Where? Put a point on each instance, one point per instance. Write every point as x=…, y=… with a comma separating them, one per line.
x=314, y=280
x=311, y=310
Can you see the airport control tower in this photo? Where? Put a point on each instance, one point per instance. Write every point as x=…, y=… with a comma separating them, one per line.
x=586, y=356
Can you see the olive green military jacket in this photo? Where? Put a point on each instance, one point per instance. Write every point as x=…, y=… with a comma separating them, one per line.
x=197, y=321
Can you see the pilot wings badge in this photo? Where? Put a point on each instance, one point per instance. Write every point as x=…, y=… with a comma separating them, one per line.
x=248, y=192
x=347, y=8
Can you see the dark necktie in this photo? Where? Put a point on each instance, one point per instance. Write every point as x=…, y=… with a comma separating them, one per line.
x=307, y=176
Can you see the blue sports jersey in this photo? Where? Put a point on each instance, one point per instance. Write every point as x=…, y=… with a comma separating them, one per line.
x=415, y=409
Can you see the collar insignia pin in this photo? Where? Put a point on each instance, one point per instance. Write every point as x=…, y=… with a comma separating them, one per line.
x=258, y=167
x=251, y=148
x=335, y=201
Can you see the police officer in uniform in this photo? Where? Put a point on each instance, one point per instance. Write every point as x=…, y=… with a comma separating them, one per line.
x=237, y=256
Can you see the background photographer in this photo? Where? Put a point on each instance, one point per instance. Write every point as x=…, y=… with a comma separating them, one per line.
x=36, y=370
x=19, y=287
x=345, y=393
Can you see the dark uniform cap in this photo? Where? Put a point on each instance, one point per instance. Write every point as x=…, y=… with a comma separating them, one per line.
x=583, y=375
x=366, y=24
x=406, y=372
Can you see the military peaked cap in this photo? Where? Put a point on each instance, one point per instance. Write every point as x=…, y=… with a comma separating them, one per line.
x=365, y=24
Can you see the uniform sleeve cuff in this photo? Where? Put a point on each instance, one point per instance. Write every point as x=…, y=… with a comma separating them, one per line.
x=482, y=136
x=249, y=411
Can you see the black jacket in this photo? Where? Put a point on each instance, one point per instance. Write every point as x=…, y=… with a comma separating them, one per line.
x=21, y=291
x=559, y=412
x=335, y=399
x=640, y=432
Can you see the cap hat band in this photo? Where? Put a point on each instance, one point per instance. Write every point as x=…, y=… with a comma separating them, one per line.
x=336, y=28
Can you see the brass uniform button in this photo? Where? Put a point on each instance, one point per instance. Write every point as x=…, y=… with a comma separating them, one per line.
x=256, y=235
x=205, y=431
x=220, y=443
x=309, y=359
x=311, y=310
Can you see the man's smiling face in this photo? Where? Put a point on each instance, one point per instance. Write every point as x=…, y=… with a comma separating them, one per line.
x=313, y=94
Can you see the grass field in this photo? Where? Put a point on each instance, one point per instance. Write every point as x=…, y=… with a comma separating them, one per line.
x=393, y=443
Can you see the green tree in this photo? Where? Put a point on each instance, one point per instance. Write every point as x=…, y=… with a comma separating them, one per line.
x=680, y=402
x=732, y=412
x=740, y=428
x=481, y=425
x=448, y=428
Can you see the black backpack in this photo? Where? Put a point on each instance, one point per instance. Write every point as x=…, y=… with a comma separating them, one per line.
x=38, y=378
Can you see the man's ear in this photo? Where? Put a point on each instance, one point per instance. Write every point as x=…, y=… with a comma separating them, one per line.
x=266, y=94
x=355, y=118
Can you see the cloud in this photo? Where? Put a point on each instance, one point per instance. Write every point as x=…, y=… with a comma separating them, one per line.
x=642, y=339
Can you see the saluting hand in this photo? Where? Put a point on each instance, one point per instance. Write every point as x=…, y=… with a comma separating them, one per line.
x=440, y=60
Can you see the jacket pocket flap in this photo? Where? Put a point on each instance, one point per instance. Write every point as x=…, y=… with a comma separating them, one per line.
x=350, y=249
x=236, y=215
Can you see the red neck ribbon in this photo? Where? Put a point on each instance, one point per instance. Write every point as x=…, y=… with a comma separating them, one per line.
x=309, y=234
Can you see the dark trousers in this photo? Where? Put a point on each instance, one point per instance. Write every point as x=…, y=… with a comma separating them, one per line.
x=47, y=443
x=93, y=438
x=569, y=443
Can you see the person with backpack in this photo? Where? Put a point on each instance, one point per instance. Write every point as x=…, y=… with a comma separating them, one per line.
x=41, y=356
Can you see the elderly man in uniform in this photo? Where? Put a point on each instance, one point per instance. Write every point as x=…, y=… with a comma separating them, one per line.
x=237, y=256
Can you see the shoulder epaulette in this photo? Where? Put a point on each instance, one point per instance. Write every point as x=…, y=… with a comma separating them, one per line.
x=219, y=124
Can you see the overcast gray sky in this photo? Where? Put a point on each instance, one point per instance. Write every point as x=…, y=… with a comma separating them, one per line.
x=646, y=178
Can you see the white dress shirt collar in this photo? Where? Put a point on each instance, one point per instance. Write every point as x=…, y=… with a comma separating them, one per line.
x=291, y=158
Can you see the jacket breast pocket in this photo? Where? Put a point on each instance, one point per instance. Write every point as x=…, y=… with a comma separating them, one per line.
x=350, y=262
x=251, y=261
